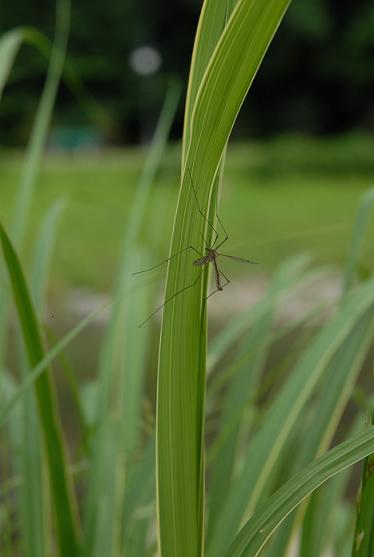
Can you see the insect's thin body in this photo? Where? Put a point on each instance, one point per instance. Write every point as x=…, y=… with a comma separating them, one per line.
x=217, y=276
x=211, y=257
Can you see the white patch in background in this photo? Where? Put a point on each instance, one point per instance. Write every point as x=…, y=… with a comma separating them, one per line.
x=145, y=60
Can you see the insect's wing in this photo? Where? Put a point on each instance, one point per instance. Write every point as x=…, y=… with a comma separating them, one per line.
x=240, y=259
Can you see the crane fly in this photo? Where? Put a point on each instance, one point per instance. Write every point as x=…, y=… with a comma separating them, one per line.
x=211, y=256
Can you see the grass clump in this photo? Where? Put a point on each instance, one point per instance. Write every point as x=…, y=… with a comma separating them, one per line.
x=269, y=422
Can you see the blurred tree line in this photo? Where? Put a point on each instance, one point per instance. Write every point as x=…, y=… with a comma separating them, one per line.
x=318, y=76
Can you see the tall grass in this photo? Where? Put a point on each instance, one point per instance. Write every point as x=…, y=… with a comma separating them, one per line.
x=270, y=425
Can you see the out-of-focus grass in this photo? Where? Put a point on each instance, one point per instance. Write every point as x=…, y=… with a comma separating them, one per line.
x=279, y=197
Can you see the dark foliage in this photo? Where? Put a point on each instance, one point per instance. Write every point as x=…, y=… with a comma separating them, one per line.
x=318, y=76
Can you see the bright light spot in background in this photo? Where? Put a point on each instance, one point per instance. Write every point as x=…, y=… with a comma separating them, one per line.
x=145, y=60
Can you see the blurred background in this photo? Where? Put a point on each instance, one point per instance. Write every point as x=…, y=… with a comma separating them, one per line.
x=317, y=77
x=298, y=166
x=300, y=159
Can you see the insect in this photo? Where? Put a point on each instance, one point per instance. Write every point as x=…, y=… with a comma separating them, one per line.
x=211, y=256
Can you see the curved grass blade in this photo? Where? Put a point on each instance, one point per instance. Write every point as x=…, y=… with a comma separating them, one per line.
x=254, y=534
x=61, y=490
x=40, y=127
x=281, y=418
x=286, y=276
x=334, y=393
x=35, y=147
x=121, y=371
x=242, y=390
x=357, y=239
x=43, y=254
x=363, y=541
x=92, y=108
x=139, y=501
x=9, y=45
x=34, y=491
x=181, y=377
x=41, y=262
x=49, y=357
x=319, y=526
x=212, y=21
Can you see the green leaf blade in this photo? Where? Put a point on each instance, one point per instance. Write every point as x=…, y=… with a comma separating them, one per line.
x=267, y=443
x=65, y=507
x=255, y=533
x=181, y=379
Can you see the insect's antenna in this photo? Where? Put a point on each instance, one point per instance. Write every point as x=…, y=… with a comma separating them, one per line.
x=200, y=211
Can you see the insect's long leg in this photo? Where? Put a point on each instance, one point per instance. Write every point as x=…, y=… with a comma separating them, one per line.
x=208, y=221
x=224, y=230
x=222, y=285
x=226, y=279
x=221, y=243
x=201, y=213
x=168, y=259
x=172, y=297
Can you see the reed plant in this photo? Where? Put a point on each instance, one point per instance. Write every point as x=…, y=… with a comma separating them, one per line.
x=241, y=446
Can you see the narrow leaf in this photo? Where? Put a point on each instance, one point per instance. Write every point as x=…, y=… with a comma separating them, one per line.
x=357, y=239
x=254, y=534
x=9, y=45
x=65, y=507
x=363, y=542
x=181, y=377
x=269, y=440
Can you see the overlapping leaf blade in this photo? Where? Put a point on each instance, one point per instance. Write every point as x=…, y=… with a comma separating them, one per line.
x=281, y=418
x=121, y=375
x=181, y=384
x=34, y=489
x=259, y=528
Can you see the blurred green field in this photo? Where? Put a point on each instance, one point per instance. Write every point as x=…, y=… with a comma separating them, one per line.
x=280, y=197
